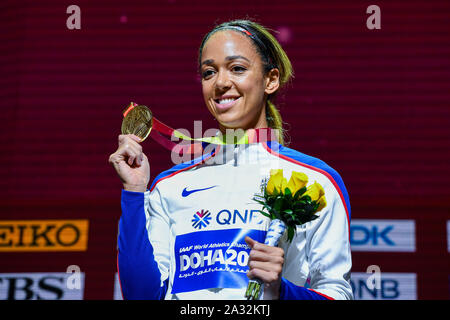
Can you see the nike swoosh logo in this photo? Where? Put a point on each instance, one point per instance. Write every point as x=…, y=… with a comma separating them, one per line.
x=185, y=192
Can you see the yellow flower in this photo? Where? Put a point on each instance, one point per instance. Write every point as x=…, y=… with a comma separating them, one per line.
x=322, y=203
x=277, y=183
x=297, y=181
x=274, y=172
x=315, y=191
x=284, y=184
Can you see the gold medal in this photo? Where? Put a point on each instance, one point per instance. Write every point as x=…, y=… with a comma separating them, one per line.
x=137, y=120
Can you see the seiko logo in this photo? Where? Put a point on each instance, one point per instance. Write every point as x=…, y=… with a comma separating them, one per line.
x=44, y=235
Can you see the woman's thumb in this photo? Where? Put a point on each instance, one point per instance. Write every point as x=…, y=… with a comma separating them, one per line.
x=250, y=242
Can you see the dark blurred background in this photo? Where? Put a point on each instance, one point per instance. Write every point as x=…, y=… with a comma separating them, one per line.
x=373, y=104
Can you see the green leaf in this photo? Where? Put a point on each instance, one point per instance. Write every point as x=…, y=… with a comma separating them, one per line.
x=265, y=213
x=260, y=202
x=306, y=198
x=299, y=193
x=268, y=208
x=291, y=232
x=278, y=204
x=287, y=192
x=316, y=205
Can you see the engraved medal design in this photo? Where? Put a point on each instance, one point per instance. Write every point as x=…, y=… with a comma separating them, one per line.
x=137, y=120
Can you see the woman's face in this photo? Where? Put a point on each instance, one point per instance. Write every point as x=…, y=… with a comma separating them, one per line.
x=234, y=86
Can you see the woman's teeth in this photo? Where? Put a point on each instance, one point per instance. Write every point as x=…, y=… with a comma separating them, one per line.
x=224, y=101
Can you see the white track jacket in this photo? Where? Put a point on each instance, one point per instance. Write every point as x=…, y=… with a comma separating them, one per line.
x=184, y=237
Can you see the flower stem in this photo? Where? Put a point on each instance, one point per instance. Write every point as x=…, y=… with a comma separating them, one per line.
x=254, y=289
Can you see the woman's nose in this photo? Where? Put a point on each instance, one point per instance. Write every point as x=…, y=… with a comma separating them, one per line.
x=222, y=80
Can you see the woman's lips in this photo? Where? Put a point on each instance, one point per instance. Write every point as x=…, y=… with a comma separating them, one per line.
x=225, y=106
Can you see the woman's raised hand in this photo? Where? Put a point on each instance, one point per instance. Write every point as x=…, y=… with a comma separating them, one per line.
x=131, y=164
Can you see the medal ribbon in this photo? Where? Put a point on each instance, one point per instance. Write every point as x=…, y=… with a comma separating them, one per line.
x=162, y=134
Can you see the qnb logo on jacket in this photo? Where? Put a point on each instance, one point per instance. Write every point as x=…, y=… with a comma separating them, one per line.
x=201, y=219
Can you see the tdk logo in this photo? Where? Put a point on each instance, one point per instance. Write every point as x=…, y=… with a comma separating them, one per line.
x=202, y=218
x=383, y=235
x=361, y=235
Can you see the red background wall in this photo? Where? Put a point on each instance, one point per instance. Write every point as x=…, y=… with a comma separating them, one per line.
x=374, y=104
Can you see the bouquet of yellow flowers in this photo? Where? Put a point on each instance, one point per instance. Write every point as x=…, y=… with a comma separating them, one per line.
x=287, y=204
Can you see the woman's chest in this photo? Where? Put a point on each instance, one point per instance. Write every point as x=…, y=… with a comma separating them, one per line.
x=215, y=197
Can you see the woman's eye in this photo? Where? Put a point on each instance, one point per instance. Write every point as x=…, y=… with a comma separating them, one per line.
x=207, y=73
x=238, y=69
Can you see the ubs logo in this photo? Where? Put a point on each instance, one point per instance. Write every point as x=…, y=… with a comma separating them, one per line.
x=39, y=286
x=201, y=219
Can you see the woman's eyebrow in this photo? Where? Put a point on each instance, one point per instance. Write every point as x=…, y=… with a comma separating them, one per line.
x=236, y=57
x=211, y=61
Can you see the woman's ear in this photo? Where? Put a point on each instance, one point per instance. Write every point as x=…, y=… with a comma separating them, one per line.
x=272, y=81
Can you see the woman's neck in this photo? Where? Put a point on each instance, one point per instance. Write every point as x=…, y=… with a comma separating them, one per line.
x=257, y=123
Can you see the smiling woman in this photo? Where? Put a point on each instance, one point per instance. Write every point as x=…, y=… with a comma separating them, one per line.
x=242, y=68
x=173, y=240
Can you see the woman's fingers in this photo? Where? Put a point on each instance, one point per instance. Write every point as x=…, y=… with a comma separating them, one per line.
x=123, y=137
x=256, y=255
x=266, y=263
x=266, y=266
x=266, y=276
x=130, y=163
x=263, y=248
x=130, y=149
x=130, y=153
x=250, y=241
x=264, y=258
